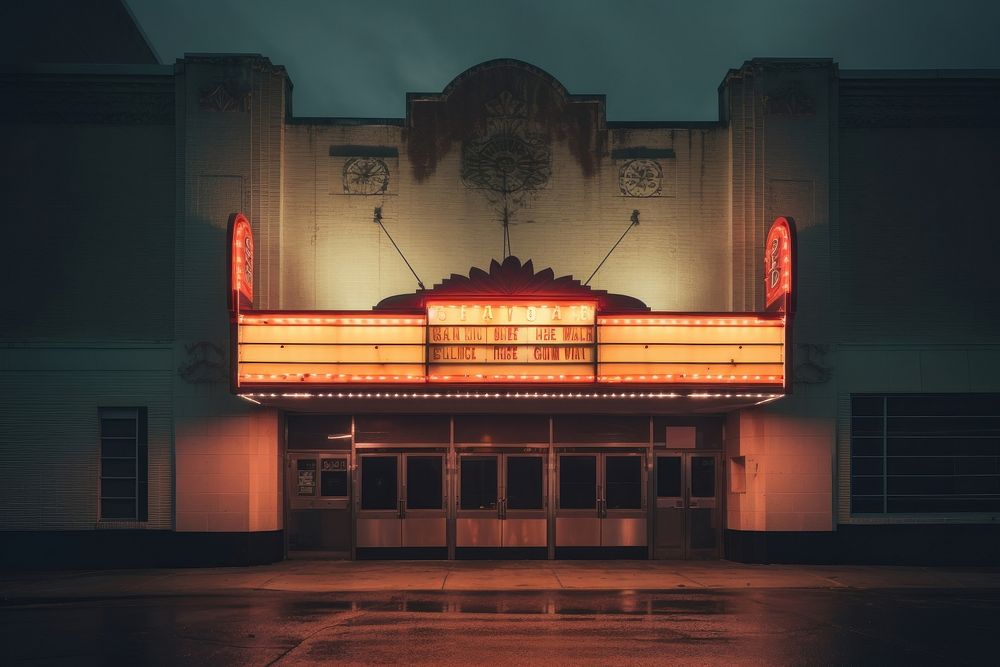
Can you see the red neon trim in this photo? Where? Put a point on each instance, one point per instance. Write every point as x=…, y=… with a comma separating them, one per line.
x=694, y=320
x=779, y=249
x=241, y=259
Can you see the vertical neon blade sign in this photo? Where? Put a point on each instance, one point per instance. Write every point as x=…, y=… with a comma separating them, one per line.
x=778, y=266
x=240, y=262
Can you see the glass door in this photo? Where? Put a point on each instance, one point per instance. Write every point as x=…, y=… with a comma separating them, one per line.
x=601, y=500
x=704, y=533
x=479, y=515
x=402, y=500
x=623, y=511
x=501, y=501
x=523, y=501
x=670, y=520
x=688, y=508
x=424, y=520
x=578, y=519
x=380, y=508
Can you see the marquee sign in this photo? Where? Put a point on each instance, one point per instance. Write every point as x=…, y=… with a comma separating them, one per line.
x=504, y=340
x=510, y=327
x=240, y=262
x=778, y=265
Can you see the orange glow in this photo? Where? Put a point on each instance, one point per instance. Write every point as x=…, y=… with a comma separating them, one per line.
x=372, y=348
x=301, y=319
x=331, y=348
x=778, y=265
x=241, y=259
x=512, y=312
x=531, y=395
x=711, y=320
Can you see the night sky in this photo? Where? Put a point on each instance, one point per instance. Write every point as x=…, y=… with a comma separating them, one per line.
x=654, y=60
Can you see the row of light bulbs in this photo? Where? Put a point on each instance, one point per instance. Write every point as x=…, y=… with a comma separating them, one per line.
x=484, y=395
x=343, y=377
x=420, y=321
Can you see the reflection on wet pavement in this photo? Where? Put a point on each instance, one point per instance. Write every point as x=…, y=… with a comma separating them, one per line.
x=772, y=626
x=522, y=602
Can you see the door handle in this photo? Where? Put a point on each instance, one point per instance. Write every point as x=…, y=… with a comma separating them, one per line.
x=402, y=509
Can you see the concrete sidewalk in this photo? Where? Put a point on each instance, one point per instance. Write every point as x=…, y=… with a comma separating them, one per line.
x=326, y=576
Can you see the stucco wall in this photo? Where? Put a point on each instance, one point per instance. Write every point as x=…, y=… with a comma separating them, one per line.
x=334, y=257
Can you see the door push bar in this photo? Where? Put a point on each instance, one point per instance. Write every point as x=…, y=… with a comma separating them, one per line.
x=602, y=508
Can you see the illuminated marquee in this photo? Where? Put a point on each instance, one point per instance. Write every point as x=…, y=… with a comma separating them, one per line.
x=553, y=335
x=509, y=341
x=330, y=348
x=711, y=348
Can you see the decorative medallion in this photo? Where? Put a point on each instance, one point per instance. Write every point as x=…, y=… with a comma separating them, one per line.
x=640, y=178
x=508, y=162
x=366, y=176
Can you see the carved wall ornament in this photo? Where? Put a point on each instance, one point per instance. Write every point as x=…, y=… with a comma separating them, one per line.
x=230, y=94
x=366, y=176
x=814, y=370
x=205, y=364
x=790, y=100
x=507, y=162
x=641, y=178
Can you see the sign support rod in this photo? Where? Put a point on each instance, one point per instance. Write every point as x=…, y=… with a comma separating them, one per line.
x=634, y=223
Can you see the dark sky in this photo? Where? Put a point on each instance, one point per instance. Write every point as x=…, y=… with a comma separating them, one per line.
x=654, y=60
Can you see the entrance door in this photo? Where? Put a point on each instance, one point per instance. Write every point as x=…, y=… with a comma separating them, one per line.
x=402, y=501
x=501, y=501
x=688, y=509
x=318, y=500
x=601, y=500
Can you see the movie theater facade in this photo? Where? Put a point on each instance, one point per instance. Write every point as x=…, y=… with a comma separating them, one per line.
x=761, y=338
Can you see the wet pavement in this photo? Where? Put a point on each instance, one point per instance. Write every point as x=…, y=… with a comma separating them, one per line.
x=502, y=613
x=333, y=576
x=750, y=626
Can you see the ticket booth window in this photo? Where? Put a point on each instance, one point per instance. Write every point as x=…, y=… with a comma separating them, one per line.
x=333, y=478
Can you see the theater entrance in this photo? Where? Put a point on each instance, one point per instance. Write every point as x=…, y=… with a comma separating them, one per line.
x=402, y=500
x=505, y=486
x=502, y=503
x=600, y=501
x=688, y=517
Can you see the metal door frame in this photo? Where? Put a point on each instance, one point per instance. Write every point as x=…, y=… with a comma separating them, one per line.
x=577, y=514
x=600, y=511
x=685, y=503
x=494, y=515
x=501, y=454
x=378, y=514
x=423, y=515
x=690, y=552
x=518, y=515
x=639, y=513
